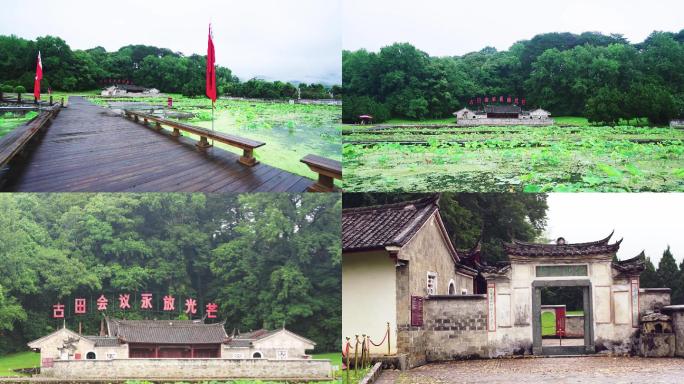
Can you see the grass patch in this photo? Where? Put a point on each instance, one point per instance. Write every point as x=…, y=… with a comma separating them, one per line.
x=20, y=360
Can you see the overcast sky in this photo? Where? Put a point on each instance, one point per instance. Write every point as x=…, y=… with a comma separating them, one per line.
x=645, y=220
x=449, y=27
x=273, y=39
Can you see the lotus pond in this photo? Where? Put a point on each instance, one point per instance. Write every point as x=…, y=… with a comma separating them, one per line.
x=290, y=131
x=9, y=121
x=502, y=159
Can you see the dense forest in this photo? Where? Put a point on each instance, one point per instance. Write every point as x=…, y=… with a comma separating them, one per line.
x=83, y=70
x=604, y=78
x=267, y=260
x=500, y=217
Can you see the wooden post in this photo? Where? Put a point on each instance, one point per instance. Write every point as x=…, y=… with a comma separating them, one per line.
x=356, y=356
x=18, y=97
x=388, y=338
x=348, y=360
x=51, y=100
x=62, y=102
x=159, y=127
x=176, y=132
x=203, y=144
x=247, y=157
x=364, y=354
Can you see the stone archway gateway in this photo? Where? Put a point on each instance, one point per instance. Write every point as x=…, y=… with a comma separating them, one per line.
x=396, y=274
x=610, y=295
x=537, y=347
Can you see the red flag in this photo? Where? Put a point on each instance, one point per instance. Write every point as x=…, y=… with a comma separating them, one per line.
x=486, y=99
x=516, y=100
x=523, y=101
x=501, y=98
x=508, y=100
x=211, y=69
x=39, y=77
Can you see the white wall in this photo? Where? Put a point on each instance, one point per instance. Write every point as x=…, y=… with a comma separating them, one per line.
x=369, y=297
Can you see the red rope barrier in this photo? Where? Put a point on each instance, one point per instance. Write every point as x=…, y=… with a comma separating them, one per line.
x=383, y=339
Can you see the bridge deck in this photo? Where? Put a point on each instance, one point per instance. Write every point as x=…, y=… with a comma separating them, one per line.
x=89, y=148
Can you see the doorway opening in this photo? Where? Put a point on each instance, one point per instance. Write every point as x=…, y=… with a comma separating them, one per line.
x=562, y=322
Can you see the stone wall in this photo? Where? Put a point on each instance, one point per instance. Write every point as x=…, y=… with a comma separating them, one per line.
x=426, y=252
x=651, y=299
x=499, y=122
x=677, y=314
x=178, y=369
x=574, y=325
x=456, y=327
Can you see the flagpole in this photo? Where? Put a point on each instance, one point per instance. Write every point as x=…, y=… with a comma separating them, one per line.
x=212, y=123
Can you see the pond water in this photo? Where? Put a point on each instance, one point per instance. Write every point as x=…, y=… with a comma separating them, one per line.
x=290, y=131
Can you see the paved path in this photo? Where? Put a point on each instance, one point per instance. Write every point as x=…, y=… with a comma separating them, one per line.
x=566, y=370
x=90, y=148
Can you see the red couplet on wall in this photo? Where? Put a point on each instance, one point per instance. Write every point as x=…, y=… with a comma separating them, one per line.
x=416, y=311
x=560, y=322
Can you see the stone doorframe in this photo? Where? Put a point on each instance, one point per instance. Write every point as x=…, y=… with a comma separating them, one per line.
x=588, y=307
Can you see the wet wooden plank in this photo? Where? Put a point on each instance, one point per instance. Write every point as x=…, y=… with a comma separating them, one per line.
x=90, y=148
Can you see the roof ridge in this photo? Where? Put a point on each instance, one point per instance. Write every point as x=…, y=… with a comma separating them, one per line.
x=431, y=199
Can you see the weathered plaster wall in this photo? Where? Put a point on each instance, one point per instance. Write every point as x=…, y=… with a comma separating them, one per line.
x=677, y=123
x=188, y=369
x=456, y=327
x=427, y=252
x=294, y=347
x=48, y=346
x=369, y=298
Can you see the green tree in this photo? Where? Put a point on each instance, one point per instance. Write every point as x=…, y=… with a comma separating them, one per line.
x=649, y=277
x=667, y=270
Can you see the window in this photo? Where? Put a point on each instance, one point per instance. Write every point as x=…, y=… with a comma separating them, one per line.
x=431, y=283
x=464, y=291
x=91, y=356
x=281, y=354
x=256, y=355
x=452, y=288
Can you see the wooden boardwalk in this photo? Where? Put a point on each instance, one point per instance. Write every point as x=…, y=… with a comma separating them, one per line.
x=90, y=148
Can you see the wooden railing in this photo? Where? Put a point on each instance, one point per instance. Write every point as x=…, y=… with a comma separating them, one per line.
x=247, y=145
x=15, y=141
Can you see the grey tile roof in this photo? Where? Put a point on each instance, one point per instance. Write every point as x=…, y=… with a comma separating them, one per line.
x=104, y=341
x=246, y=339
x=376, y=227
x=520, y=248
x=167, y=331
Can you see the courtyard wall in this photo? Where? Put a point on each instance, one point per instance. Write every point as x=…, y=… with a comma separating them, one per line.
x=178, y=369
x=504, y=122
